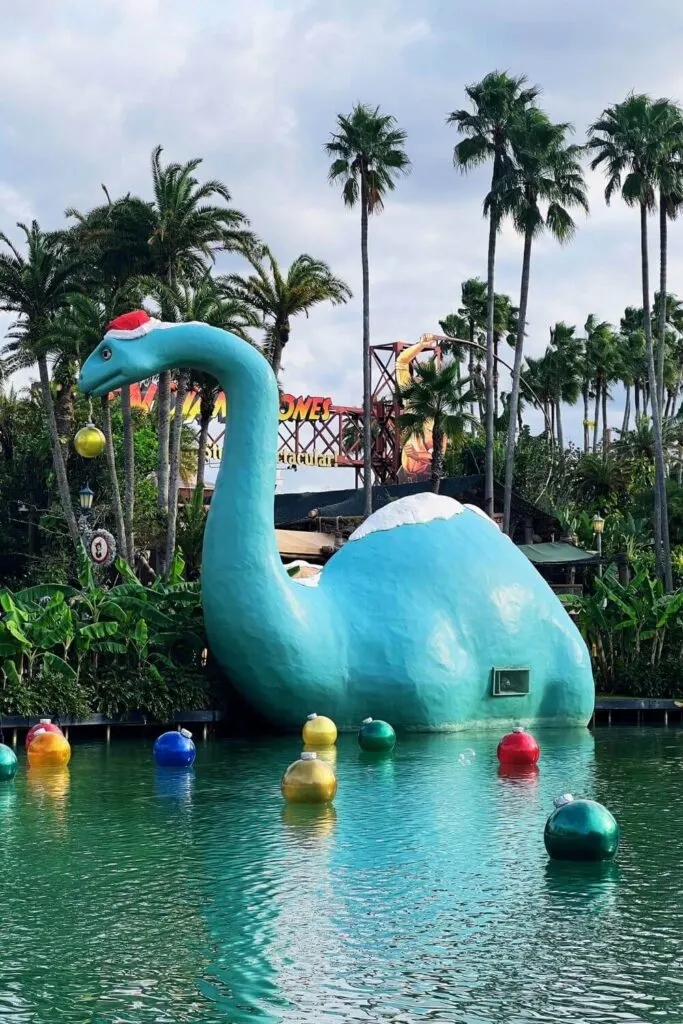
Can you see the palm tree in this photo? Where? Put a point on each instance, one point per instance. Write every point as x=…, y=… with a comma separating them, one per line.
x=435, y=397
x=538, y=190
x=36, y=286
x=280, y=295
x=455, y=327
x=564, y=355
x=368, y=155
x=632, y=361
x=669, y=179
x=505, y=325
x=473, y=311
x=629, y=140
x=538, y=379
x=499, y=102
x=114, y=241
x=189, y=227
x=602, y=362
x=671, y=314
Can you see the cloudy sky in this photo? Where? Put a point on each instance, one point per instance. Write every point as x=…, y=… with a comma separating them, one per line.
x=254, y=87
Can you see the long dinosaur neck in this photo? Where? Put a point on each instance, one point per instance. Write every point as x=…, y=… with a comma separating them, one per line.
x=239, y=532
x=277, y=640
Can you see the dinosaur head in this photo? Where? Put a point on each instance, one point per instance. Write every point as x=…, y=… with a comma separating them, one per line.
x=132, y=350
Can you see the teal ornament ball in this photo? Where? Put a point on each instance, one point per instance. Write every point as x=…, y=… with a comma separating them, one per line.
x=8, y=762
x=581, y=830
x=374, y=734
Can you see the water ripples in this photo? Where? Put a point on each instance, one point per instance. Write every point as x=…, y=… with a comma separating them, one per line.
x=423, y=894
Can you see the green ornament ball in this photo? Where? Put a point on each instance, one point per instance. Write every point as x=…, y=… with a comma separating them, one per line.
x=581, y=830
x=8, y=762
x=374, y=734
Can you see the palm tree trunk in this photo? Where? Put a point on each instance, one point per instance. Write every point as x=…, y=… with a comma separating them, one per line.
x=627, y=412
x=111, y=466
x=495, y=376
x=596, y=415
x=552, y=421
x=669, y=403
x=57, y=454
x=661, y=350
x=204, y=422
x=65, y=406
x=437, y=457
x=281, y=337
x=515, y=385
x=560, y=433
x=367, y=370
x=128, y=472
x=661, y=518
x=520, y=421
x=174, y=480
x=470, y=368
x=605, y=430
x=636, y=399
x=586, y=435
x=490, y=307
x=164, y=418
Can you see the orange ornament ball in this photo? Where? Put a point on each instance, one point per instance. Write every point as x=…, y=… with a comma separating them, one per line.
x=49, y=750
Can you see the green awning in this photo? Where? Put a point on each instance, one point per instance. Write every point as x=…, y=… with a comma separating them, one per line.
x=558, y=553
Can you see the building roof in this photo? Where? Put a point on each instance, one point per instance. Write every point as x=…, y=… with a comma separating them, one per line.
x=558, y=553
x=296, y=509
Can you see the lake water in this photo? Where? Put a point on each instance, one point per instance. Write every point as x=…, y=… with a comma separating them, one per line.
x=131, y=894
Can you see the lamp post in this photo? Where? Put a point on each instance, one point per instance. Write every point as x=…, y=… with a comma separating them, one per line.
x=85, y=499
x=598, y=527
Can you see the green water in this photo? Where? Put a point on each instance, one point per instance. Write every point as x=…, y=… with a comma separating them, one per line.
x=130, y=894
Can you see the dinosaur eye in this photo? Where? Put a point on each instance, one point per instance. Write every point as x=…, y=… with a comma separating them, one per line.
x=106, y=353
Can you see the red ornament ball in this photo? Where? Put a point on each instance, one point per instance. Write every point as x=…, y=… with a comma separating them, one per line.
x=44, y=724
x=518, y=748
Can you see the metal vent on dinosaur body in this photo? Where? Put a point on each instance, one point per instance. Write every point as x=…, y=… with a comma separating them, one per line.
x=510, y=682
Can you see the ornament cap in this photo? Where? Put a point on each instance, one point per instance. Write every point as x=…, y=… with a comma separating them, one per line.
x=562, y=801
x=186, y=733
x=46, y=721
x=519, y=728
x=366, y=721
x=309, y=755
x=309, y=718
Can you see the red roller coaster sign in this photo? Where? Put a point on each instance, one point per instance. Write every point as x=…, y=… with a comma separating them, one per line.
x=314, y=432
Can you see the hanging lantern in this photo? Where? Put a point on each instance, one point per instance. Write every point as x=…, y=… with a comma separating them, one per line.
x=89, y=441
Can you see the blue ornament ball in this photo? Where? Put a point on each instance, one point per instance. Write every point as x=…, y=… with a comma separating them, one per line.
x=175, y=749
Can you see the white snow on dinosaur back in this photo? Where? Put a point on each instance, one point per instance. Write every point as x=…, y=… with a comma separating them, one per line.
x=413, y=509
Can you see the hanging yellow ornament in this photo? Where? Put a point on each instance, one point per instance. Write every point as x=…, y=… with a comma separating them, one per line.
x=89, y=441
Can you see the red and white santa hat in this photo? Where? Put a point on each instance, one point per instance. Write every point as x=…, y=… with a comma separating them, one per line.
x=133, y=325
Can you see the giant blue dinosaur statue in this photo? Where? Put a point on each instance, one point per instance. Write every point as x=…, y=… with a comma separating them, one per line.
x=407, y=622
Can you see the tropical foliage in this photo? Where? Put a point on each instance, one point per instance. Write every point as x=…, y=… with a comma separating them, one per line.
x=76, y=650
x=368, y=155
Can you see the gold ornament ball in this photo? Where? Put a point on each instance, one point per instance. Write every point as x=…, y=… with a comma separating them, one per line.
x=309, y=781
x=319, y=731
x=49, y=750
x=89, y=441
